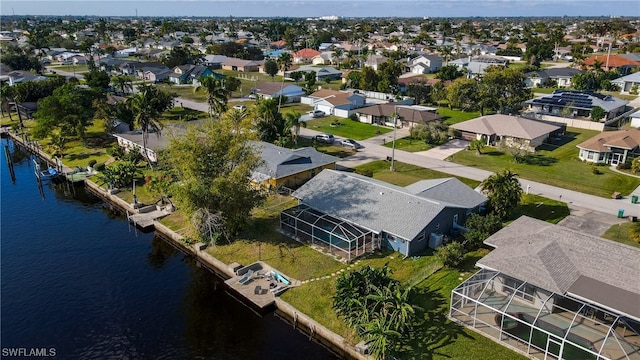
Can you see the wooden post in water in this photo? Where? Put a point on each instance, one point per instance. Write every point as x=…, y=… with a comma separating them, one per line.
x=7, y=154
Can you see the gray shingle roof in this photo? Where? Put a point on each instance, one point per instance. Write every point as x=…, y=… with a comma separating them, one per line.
x=448, y=190
x=370, y=203
x=506, y=125
x=554, y=258
x=279, y=162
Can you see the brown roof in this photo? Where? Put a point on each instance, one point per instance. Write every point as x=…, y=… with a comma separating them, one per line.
x=405, y=113
x=603, y=142
x=418, y=79
x=238, y=62
x=614, y=61
x=268, y=88
x=339, y=97
x=506, y=125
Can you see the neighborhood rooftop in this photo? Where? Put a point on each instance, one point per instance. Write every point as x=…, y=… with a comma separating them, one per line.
x=506, y=125
x=563, y=260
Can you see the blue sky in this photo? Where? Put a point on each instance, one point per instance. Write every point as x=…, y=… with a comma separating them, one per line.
x=347, y=8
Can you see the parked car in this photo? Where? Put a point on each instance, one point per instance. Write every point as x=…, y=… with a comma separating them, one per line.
x=324, y=138
x=252, y=96
x=316, y=113
x=240, y=107
x=351, y=144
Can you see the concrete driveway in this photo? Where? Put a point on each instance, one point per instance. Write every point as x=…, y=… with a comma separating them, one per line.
x=445, y=150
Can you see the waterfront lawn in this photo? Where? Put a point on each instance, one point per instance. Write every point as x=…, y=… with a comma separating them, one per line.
x=452, y=117
x=620, y=233
x=407, y=174
x=541, y=208
x=347, y=128
x=556, y=165
x=262, y=241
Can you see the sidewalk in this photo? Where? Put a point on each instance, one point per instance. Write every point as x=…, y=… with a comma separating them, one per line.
x=575, y=200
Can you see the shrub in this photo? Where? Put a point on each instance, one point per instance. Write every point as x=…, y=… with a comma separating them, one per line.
x=624, y=166
x=92, y=162
x=354, y=117
x=99, y=167
x=365, y=172
x=596, y=171
x=480, y=228
x=450, y=255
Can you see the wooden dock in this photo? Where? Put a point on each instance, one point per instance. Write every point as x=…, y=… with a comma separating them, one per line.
x=147, y=216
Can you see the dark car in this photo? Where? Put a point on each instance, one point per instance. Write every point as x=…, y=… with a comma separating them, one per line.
x=324, y=138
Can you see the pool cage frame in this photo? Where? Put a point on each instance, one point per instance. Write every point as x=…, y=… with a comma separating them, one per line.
x=586, y=331
x=306, y=224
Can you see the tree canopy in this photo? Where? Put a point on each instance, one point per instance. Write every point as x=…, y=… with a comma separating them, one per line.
x=504, y=192
x=214, y=166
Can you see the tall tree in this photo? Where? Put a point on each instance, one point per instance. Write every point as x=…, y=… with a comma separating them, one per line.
x=214, y=164
x=216, y=95
x=504, y=192
x=122, y=83
x=284, y=63
x=271, y=68
x=270, y=123
x=293, y=124
x=69, y=109
x=148, y=105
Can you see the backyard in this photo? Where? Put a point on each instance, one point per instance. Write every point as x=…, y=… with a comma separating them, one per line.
x=556, y=165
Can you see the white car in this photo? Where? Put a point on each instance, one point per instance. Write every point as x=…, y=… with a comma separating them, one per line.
x=351, y=144
x=252, y=96
x=316, y=113
x=239, y=107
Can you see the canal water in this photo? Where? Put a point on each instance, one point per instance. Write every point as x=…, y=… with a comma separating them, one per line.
x=75, y=277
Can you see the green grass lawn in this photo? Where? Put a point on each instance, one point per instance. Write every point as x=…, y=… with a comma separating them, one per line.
x=71, y=68
x=334, y=150
x=408, y=144
x=184, y=91
x=555, y=165
x=407, y=174
x=543, y=90
x=347, y=128
x=452, y=116
x=620, y=233
x=540, y=208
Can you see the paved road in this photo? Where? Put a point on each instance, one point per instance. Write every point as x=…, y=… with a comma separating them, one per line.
x=374, y=150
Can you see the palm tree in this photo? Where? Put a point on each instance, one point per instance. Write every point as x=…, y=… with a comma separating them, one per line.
x=148, y=105
x=123, y=83
x=379, y=337
x=216, y=95
x=236, y=117
x=393, y=304
x=504, y=192
x=5, y=95
x=270, y=123
x=284, y=63
x=293, y=124
x=477, y=145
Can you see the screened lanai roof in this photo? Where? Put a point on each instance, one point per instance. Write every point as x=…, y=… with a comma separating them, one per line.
x=583, y=324
x=327, y=222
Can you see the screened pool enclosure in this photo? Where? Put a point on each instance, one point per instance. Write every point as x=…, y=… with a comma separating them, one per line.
x=543, y=324
x=342, y=238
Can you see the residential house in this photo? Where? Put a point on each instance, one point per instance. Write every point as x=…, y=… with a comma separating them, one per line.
x=324, y=58
x=514, y=131
x=240, y=65
x=180, y=74
x=19, y=76
x=610, y=62
x=635, y=119
x=304, y=56
x=353, y=214
x=201, y=71
x=628, y=83
x=549, y=291
x=569, y=103
x=424, y=64
x=132, y=141
x=214, y=61
x=477, y=65
x=611, y=147
x=289, y=167
x=273, y=89
x=560, y=76
x=338, y=103
x=373, y=61
x=407, y=115
x=322, y=73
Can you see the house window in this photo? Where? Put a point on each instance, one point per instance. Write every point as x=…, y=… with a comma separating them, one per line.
x=455, y=219
x=437, y=226
x=420, y=237
x=590, y=155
